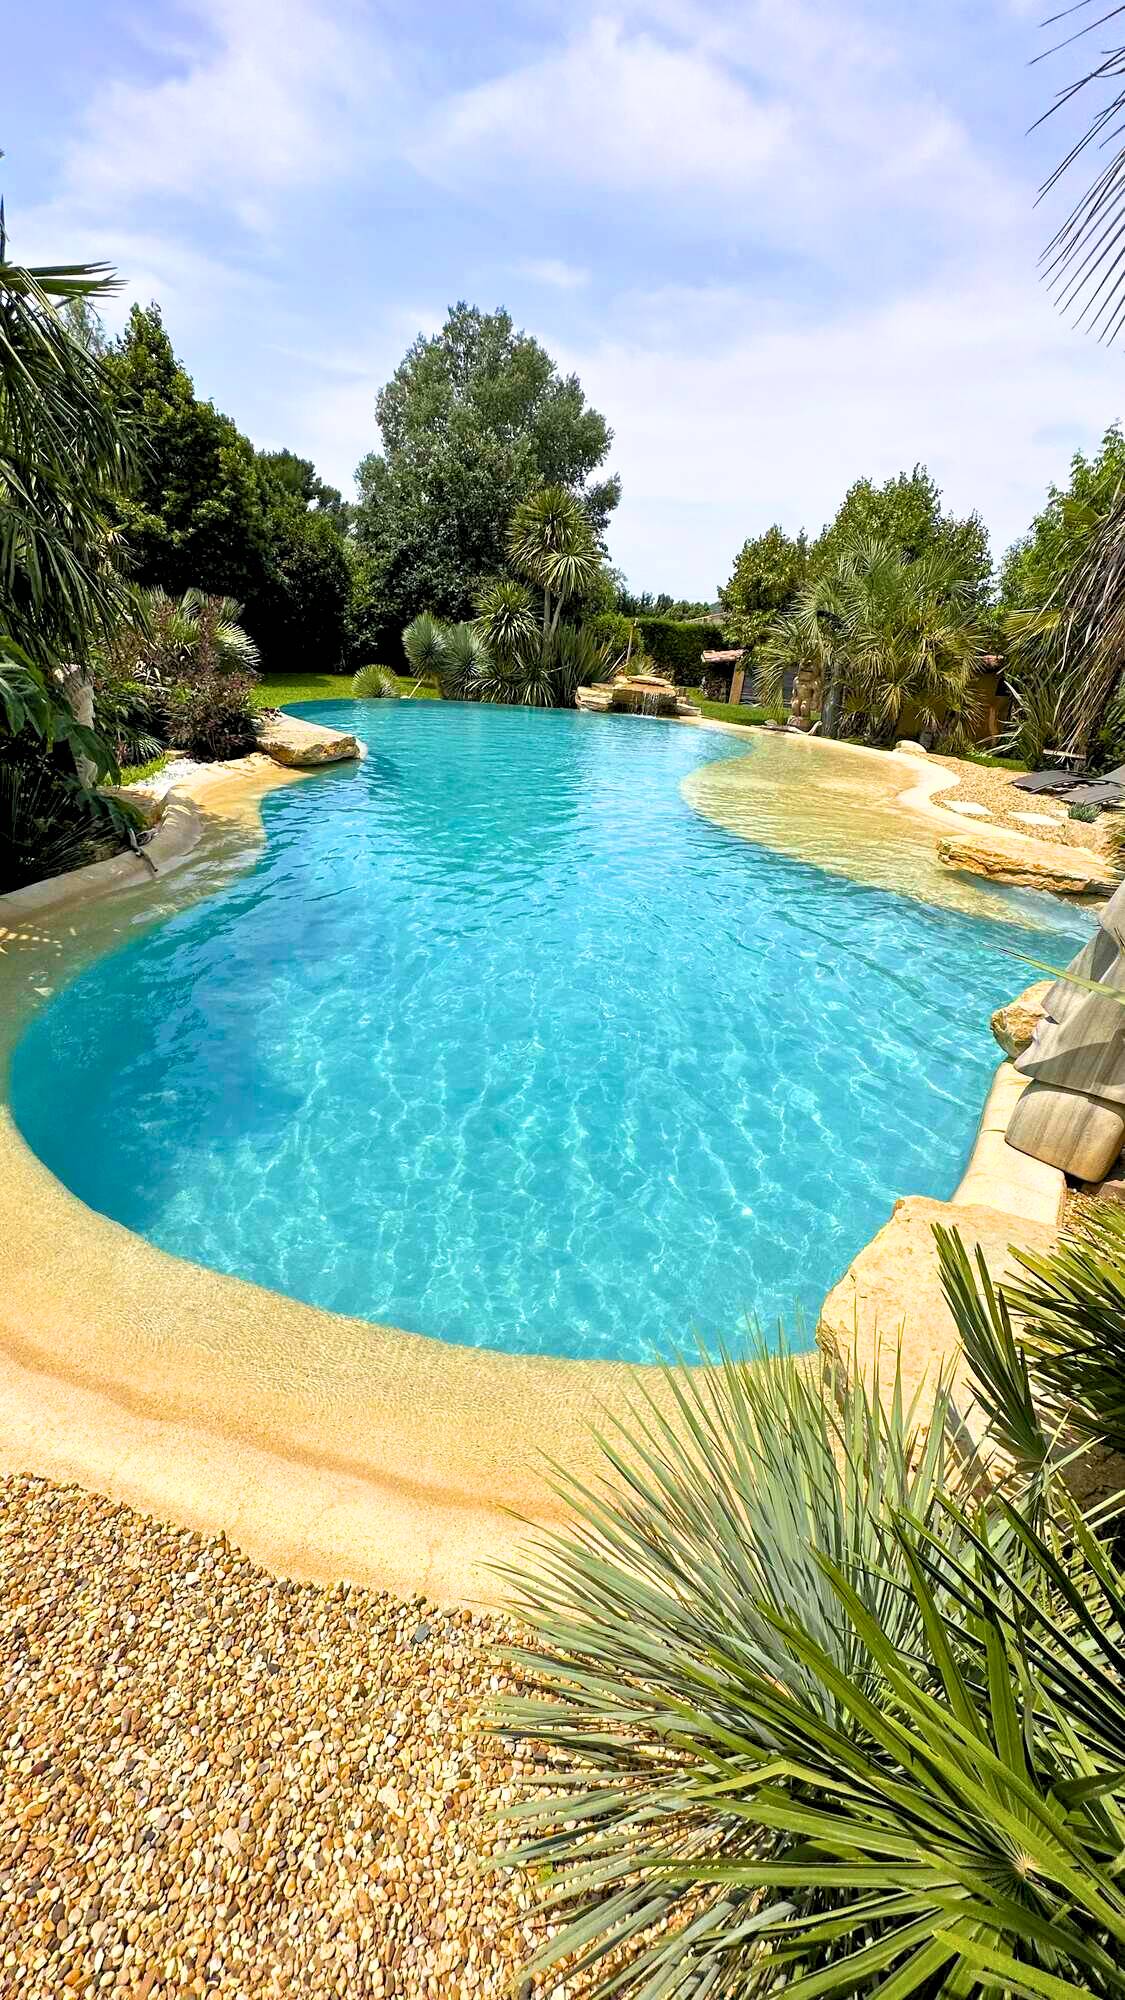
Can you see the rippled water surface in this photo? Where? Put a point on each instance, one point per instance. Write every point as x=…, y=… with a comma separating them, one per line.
x=502, y=1040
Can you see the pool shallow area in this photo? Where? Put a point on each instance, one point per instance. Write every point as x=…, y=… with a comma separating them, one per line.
x=503, y=1041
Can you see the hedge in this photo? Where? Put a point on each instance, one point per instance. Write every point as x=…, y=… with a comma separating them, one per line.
x=673, y=644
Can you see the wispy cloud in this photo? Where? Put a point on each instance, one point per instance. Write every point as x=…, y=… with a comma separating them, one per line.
x=553, y=271
x=610, y=107
x=266, y=95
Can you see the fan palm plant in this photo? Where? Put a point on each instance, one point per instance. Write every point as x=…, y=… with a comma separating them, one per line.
x=64, y=452
x=885, y=634
x=551, y=542
x=825, y=1703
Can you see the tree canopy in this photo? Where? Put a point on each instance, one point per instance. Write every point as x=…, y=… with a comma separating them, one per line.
x=905, y=513
x=472, y=422
x=768, y=570
x=1036, y=567
x=208, y=512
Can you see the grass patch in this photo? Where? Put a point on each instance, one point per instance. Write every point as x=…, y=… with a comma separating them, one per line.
x=132, y=774
x=990, y=762
x=733, y=711
x=278, y=690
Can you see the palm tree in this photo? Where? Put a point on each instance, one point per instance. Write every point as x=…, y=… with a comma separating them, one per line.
x=1084, y=264
x=885, y=634
x=552, y=544
x=63, y=454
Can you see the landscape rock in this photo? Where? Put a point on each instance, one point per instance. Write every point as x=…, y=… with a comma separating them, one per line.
x=1034, y=864
x=1015, y=1023
x=303, y=745
x=892, y=1290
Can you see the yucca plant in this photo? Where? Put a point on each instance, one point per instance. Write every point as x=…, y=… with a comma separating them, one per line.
x=465, y=663
x=505, y=620
x=423, y=642
x=703, y=1648
x=552, y=543
x=375, y=683
x=577, y=658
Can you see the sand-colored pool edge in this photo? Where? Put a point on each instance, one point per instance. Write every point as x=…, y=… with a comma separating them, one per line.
x=398, y=1462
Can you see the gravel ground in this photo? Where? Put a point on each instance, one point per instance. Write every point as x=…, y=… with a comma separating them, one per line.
x=985, y=785
x=213, y=1782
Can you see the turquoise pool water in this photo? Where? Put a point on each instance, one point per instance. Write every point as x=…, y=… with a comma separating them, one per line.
x=501, y=1041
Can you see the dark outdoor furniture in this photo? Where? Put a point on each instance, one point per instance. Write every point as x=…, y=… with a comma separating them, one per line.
x=1045, y=781
x=1095, y=792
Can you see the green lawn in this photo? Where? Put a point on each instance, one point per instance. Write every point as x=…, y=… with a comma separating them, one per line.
x=278, y=690
x=731, y=711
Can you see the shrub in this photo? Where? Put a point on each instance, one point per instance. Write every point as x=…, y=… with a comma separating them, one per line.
x=211, y=715
x=824, y=1701
x=375, y=683
x=675, y=645
x=1087, y=814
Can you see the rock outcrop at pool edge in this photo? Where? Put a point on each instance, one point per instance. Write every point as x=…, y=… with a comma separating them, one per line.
x=1034, y=864
x=1015, y=1023
x=301, y=745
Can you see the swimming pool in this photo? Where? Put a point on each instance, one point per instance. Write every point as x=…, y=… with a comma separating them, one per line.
x=502, y=1041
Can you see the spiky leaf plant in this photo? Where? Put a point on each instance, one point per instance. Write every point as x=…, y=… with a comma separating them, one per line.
x=505, y=621
x=423, y=642
x=375, y=683
x=577, y=658
x=696, y=1648
x=1047, y=1349
x=465, y=663
x=805, y=1723
x=551, y=541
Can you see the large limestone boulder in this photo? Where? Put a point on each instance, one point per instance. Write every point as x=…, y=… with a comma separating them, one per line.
x=303, y=745
x=1033, y=864
x=891, y=1292
x=1014, y=1025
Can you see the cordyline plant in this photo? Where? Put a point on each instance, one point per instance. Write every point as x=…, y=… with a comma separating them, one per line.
x=823, y=1701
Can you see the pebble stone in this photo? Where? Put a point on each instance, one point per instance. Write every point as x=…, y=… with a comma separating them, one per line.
x=215, y=1782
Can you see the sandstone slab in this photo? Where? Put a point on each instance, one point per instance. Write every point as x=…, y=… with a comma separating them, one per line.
x=1032, y=864
x=890, y=1296
x=1070, y=1129
x=1014, y=1025
x=303, y=745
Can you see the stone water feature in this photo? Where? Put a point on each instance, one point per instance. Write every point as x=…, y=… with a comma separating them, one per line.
x=635, y=694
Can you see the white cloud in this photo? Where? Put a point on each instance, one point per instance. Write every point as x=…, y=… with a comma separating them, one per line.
x=555, y=272
x=610, y=107
x=268, y=95
x=716, y=438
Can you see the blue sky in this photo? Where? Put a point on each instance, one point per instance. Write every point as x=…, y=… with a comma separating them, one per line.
x=783, y=243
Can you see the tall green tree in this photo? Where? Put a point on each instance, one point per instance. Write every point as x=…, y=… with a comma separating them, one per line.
x=1035, y=570
x=211, y=513
x=905, y=513
x=1060, y=587
x=472, y=422
x=767, y=574
x=195, y=519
